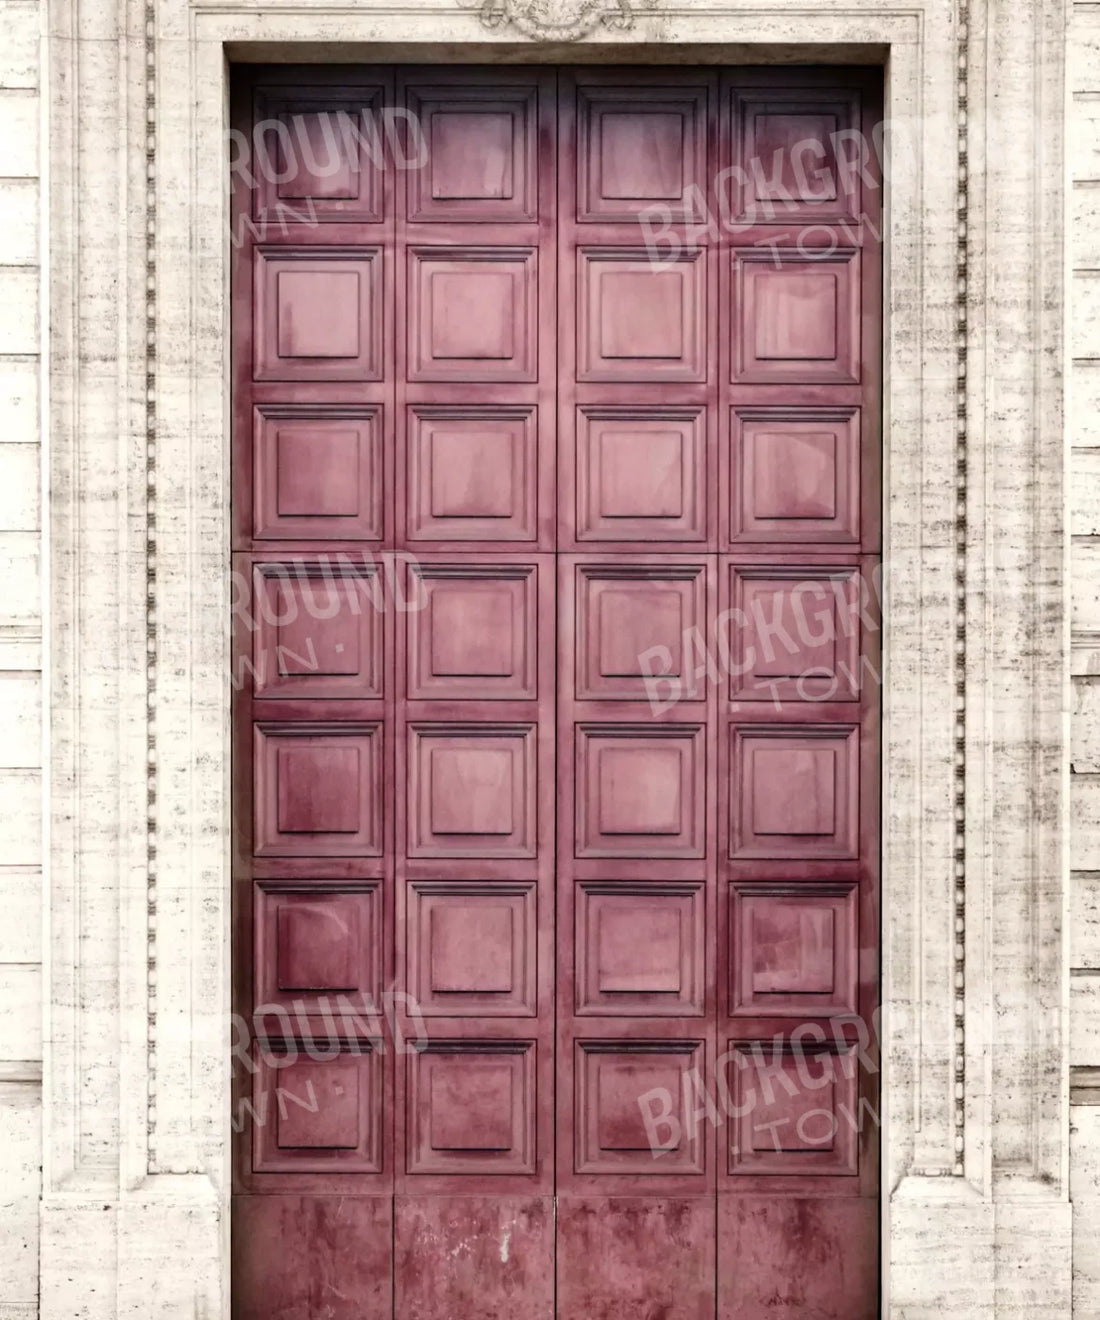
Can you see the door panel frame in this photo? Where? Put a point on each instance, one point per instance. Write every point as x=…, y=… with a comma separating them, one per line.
x=142, y=922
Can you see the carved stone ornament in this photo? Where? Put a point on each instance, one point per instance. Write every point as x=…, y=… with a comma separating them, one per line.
x=557, y=20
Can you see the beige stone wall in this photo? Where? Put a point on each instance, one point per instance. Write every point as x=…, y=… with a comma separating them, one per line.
x=21, y=271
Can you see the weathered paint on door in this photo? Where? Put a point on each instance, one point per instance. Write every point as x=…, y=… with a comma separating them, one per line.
x=556, y=521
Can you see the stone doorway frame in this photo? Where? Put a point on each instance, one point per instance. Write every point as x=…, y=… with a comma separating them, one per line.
x=137, y=1053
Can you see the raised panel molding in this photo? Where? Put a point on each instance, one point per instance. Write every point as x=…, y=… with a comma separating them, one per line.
x=316, y=942
x=327, y=156
x=610, y=1134
x=640, y=790
x=795, y=145
x=796, y=314
x=476, y=636
x=794, y=475
x=317, y=472
x=321, y=1109
x=638, y=474
x=472, y=473
x=472, y=790
x=626, y=612
x=640, y=146
x=471, y=1107
x=318, y=630
x=293, y=340
x=796, y=633
x=794, y=791
x=639, y=321
x=639, y=948
x=481, y=148
x=803, y=1120
x=471, y=948
x=794, y=950
x=472, y=313
x=297, y=811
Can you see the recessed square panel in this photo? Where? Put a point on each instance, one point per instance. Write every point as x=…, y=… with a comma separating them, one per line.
x=796, y=316
x=794, y=474
x=634, y=621
x=621, y=1082
x=639, y=948
x=471, y=790
x=471, y=948
x=317, y=473
x=476, y=635
x=795, y=1110
x=800, y=153
x=794, y=791
x=793, y=949
x=314, y=944
x=480, y=147
x=471, y=1108
x=640, y=320
x=318, y=1107
x=472, y=313
x=333, y=1121
x=318, y=790
x=795, y=633
x=318, y=630
x=640, y=148
x=640, y=474
x=472, y=473
x=640, y=790
x=318, y=313
x=316, y=159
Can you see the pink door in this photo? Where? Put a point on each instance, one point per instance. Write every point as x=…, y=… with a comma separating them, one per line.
x=556, y=492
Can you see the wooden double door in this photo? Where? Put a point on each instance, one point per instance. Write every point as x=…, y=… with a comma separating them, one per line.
x=556, y=535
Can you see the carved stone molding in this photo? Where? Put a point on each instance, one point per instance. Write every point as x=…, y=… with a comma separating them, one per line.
x=958, y=1166
x=151, y=562
x=557, y=20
